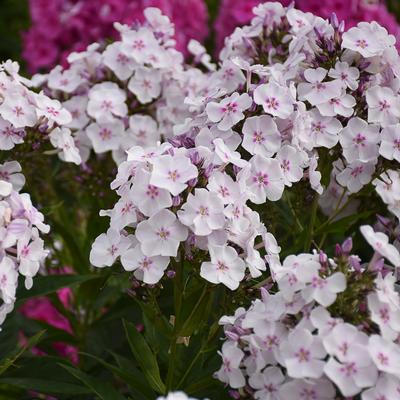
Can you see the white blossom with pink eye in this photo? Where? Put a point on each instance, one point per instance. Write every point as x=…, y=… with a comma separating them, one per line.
x=77, y=107
x=105, y=135
x=108, y=247
x=386, y=388
x=275, y=100
x=17, y=110
x=302, y=354
x=324, y=131
x=62, y=139
x=291, y=162
x=226, y=155
x=106, y=100
x=348, y=76
x=264, y=179
x=202, y=212
x=316, y=389
x=380, y=243
x=385, y=354
x=368, y=39
x=148, y=198
x=140, y=44
x=230, y=370
x=324, y=290
x=172, y=173
x=8, y=280
x=143, y=130
x=356, y=175
x=316, y=91
x=224, y=186
x=342, y=105
x=352, y=369
x=383, y=106
x=145, y=84
x=161, y=234
x=229, y=111
x=360, y=141
x=267, y=383
x=118, y=61
x=52, y=110
x=10, y=171
x=225, y=267
x=147, y=269
x=385, y=316
x=9, y=135
x=261, y=136
x=390, y=142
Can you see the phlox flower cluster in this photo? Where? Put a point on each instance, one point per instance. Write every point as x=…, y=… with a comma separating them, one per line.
x=60, y=27
x=24, y=116
x=326, y=327
x=234, y=13
x=331, y=97
x=33, y=117
x=275, y=108
x=22, y=249
x=127, y=93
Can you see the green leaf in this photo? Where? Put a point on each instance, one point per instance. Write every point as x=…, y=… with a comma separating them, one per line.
x=133, y=378
x=46, y=386
x=343, y=224
x=98, y=387
x=10, y=360
x=44, y=285
x=198, y=313
x=144, y=356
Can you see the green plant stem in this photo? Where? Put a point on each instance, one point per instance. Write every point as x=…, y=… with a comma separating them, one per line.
x=310, y=230
x=293, y=211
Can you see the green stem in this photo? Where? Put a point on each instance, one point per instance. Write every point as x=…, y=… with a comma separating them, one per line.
x=293, y=211
x=310, y=230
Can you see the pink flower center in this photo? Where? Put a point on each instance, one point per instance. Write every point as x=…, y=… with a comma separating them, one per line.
x=163, y=233
x=349, y=369
x=362, y=43
x=106, y=105
x=230, y=108
x=152, y=191
x=272, y=103
x=258, y=137
x=383, y=359
x=145, y=263
x=221, y=266
x=359, y=139
x=173, y=175
x=138, y=44
x=105, y=134
x=203, y=211
x=357, y=171
x=261, y=179
x=303, y=355
x=18, y=111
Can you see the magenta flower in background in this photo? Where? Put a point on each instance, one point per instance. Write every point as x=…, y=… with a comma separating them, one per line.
x=41, y=309
x=233, y=13
x=62, y=26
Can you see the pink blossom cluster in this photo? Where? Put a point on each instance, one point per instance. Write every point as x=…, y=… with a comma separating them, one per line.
x=234, y=13
x=60, y=27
